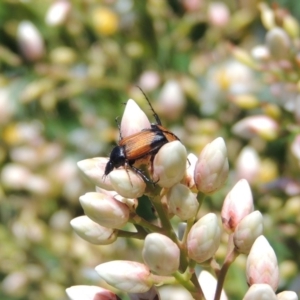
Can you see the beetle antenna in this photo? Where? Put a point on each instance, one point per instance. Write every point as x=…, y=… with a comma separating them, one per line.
x=119, y=126
x=155, y=115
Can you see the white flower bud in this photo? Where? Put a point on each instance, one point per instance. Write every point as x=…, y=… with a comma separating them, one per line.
x=161, y=254
x=248, y=164
x=260, y=292
x=133, y=120
x=127, y=183
x=262, y=264
x=127, y=276
x=93, y=169
x=287, y=295
x=259, y=125
x=182, y=202
x=172, y=99
x=212, y=168
x=209, y=283
x=169, y=164
x=204, y=238
x=30, y=41
x=85, y=292
x=237, y=204
x=58, y=12
x=247, y=231
x=93, y=232
x=104, y=210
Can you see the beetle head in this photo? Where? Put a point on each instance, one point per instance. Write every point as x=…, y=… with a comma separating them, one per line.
x=117, y=159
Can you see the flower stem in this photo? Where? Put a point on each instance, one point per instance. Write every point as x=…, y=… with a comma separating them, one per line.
x=230, y=257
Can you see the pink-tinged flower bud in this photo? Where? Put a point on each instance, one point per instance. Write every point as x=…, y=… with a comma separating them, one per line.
x=30, y=41
x=133, y=120
x=171, y=99
x=212, y=168
x=237, y=204
x=247, y=231
x=169, y=164
x=93, y=169
x=127, y=276
x=58, y=12
x=248, y=164
x=218, y=14
x=127, y=183
x=149, y=80
x=93, y=232
x=182, y=202
x=260, y=292
x=161, y=254
x=190, y=170
x=104, y=210
x=262, y=264
x=263, y=126
x=279, y=43
x=204, y=238
x=208, y=284
x=287, y=295
x=86, y=292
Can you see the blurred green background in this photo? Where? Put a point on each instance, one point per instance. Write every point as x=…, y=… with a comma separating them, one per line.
x=68, y=67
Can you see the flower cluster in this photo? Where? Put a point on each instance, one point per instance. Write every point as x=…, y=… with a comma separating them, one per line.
x=172, y=255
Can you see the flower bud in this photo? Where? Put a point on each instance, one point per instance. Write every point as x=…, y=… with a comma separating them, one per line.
x=247, y=231
x=260, y=53
x=93, y=232
x=58, y=12
x=248, y=164
x=190, y=170
x=93, y=169
x=169, y=164
x=133, y=120
x=127, y=276
x=209, y=283
x=172, y=99
x=287, y=295
x=212, y=168
x=149, y=80
x=218, y=14
x=267, y=16
x=263, y=126
x=30, y=41
x=86, y=292
x=182, y=202
x=161, y=254
x=260, y=292
x=104, y=210
x=204, y=238
x=262, y=264
x=291, y=26
x=127, y=183
x=237, y=204
x=279, y=43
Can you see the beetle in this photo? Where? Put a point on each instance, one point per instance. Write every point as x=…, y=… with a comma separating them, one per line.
x=141, y=145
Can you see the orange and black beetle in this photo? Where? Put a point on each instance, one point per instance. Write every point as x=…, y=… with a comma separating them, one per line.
x=138, y=146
